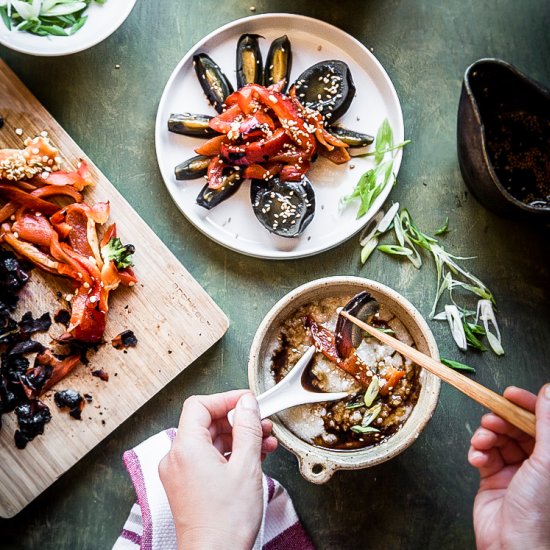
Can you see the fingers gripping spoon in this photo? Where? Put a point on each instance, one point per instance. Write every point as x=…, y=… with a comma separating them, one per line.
x=290, y=392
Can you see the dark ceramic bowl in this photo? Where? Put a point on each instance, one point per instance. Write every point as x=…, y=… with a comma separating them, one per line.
x=504, y=139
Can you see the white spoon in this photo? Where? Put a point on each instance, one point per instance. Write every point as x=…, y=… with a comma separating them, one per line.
x=289, y=392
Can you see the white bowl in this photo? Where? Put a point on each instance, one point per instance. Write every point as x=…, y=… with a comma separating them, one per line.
x=103, y=20
x=318, y=464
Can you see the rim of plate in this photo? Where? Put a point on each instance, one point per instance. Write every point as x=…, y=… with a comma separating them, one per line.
x=399, y=132
x=111, y=14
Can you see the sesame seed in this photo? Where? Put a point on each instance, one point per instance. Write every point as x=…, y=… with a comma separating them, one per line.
x=19, y=131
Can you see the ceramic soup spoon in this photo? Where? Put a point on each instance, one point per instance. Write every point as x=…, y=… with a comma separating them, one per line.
x=290, y=392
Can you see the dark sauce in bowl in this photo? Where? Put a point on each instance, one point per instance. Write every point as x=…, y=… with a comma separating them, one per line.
x=519, y=148
x=515, y=118
x=337, y=417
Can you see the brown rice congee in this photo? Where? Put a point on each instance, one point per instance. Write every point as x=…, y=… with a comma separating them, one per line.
x=348, y=423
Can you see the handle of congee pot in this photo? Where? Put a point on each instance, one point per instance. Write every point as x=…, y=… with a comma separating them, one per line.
x=316, y=469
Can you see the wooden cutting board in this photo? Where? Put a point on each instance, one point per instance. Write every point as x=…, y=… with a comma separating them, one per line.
x=173, y=318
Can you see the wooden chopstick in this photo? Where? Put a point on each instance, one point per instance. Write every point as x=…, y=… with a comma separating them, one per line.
x=518, y=417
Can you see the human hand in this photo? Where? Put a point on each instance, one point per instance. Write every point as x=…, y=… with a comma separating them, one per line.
x=217, y=499
x=511, y=509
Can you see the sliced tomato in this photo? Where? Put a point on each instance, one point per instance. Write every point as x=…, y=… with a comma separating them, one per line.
x=87, y=322
x=259, y=120
x=79, y=179
x=78, y=234
x=338, y=155
x=294, y=172
x=392, y=378
x=257, y=151
x=214, y=175
x=27, y=199
x=289, y=116
x=222, y=122
x=29, y=251
x=323, y=339
x=34, y=229
x=110, y=233
x=57, y=191
x=212, y=146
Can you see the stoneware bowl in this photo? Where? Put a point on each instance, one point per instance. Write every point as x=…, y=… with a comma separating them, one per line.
x=318, y=464
x=493, y=91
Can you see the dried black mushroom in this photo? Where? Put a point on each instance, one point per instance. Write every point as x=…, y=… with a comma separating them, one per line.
x=26, y=346
x=70, y=399
x=249, y=60
x=347, y=335
x=279, y=62
x=12, y=278
x=285, y=208
x=191, y=124
x=29, y=325
x=209, y=198
x=327, y=87
x=63, y=317
x=32, y=416
x=192, y=168
x=214, y=83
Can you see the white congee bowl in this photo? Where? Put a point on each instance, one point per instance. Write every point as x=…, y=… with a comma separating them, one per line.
x=318, y=464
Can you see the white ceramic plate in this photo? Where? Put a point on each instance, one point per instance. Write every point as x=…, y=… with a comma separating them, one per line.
x=233, y=223
x=103, y=20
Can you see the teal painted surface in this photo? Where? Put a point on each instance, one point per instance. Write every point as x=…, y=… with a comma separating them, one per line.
x=423, y=498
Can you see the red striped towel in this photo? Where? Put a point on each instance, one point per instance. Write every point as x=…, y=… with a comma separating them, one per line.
x=150, y=525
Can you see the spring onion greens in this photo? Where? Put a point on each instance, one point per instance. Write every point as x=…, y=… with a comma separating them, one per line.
x=371, y=415
x=364, y=429
x=372, y=391
x=45, y=17
x=394, y=249
x=373, y=181
x=457, y=365
x=443, y=229
x=451, y=277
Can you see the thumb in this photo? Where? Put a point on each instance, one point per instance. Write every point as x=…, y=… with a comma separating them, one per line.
x=247, y=430
x=542, y=445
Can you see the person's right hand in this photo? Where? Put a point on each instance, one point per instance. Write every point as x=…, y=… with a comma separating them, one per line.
x=512, y=506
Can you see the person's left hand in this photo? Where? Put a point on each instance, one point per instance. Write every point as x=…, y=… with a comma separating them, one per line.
x=212, y=474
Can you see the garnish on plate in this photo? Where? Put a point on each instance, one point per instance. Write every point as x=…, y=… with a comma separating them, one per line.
x=268, y=136
x=373, y=181
x=45, y=17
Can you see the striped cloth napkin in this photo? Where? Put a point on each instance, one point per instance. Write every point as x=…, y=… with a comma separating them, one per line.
x=150, y=525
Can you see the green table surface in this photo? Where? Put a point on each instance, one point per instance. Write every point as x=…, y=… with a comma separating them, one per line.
x=423, y=498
